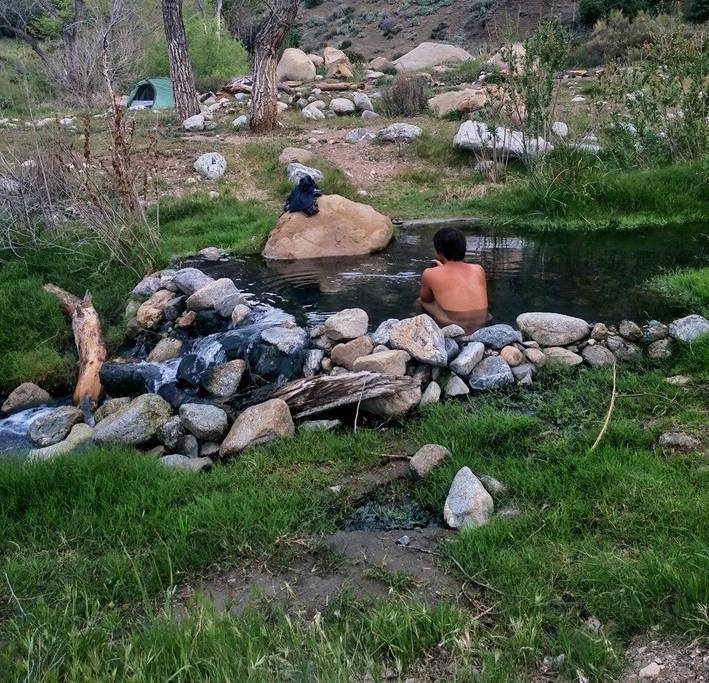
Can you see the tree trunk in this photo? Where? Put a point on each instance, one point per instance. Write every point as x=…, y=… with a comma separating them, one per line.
x=88, y=338
x=264, y=101
x=183, y=87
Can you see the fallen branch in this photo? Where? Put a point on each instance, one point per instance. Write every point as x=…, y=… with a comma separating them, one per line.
x=606, y=422
x=88, y=338
x=313, y=395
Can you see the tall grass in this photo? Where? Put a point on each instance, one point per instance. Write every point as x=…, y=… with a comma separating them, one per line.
x=579, y=190
x=91, y=546
x=35, y=341
x=687, y=287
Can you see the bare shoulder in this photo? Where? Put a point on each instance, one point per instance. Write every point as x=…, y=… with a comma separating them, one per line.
x=476, y=268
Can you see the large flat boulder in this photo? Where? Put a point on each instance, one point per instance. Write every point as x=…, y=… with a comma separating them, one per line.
x=428, y=55
x=337, y=63
x=341, y=228
x=465, y=101
x=295, y=65
x=552, y=329
x=476, y=137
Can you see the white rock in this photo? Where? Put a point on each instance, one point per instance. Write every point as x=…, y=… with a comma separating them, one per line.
x=342, y=106
x=468, y=503
x=194, y=123
x=240, y=122
x=211, y=165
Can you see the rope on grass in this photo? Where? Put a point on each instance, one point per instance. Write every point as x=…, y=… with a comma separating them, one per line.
x=606, y=422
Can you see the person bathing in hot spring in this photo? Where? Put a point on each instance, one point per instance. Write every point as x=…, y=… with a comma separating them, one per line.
x=454, y=292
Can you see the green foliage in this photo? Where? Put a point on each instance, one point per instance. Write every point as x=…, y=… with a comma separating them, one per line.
x=661, y=101
x=23, y=83
x=570, y=192
x=216, y=56
x=532, y=81
x=92, y=545
x=309, y=4
x=698, y=11
x=35, y=339
x=687, y=287
x=619, y=36
x=462, y=72
x=591, y=11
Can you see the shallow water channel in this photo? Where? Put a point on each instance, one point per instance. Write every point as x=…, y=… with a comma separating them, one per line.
x=596, y=276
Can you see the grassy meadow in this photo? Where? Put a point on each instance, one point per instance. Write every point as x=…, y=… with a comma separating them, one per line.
x=93, y=545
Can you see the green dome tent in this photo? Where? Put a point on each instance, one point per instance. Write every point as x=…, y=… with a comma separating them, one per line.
x=153, y=93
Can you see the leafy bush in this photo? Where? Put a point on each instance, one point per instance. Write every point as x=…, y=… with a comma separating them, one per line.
x=591, y=11
x=621, y=36
x=661, y=104
x=216, y=56
x=405, y=97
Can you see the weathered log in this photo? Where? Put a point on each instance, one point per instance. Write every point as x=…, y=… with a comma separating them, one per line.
x=337, y=86
x=90, y=346
x=313, y=395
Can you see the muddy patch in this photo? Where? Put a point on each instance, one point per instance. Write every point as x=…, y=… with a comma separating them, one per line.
x=389, y=545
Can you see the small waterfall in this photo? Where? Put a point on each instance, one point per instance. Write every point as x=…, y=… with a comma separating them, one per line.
x=14, y=430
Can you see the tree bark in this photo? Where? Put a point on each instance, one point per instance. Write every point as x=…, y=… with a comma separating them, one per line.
x=264, y=101
x=183, y=87
x=88, y=338
x=314, y=395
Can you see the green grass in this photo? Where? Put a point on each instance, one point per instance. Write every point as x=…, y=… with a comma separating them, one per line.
x=577, y=191
x=35, y=339
x=24, y=87
x=271, y=175
x=91, y=545
x=687, y=287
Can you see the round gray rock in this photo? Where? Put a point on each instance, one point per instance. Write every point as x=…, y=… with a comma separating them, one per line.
x=257, y=425
x=490, y=373
x=206, y=422
x=689, y=328
x=496, y=336
x=54, y=426
x=347, y=324
x=134, y=424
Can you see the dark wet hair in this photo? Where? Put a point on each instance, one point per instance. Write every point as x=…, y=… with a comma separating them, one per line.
x=451, y=243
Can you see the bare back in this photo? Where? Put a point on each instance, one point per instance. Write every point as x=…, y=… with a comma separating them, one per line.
x=456, y=286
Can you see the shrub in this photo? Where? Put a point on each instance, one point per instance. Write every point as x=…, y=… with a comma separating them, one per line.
x=660, y=102
x=621, y=36
x=698, y=11
x=591, y=11
x=216, y=57
x=405, y=97
x=309, y=4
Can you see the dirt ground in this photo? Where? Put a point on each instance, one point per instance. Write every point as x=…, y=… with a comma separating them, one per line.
x=661, y=660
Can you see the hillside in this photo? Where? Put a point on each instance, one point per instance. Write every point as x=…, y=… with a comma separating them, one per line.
x=391, y=28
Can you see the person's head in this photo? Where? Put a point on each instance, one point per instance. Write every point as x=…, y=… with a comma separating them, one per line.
x=449, y=244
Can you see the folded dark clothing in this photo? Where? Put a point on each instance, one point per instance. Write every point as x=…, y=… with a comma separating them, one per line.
x=303, y=198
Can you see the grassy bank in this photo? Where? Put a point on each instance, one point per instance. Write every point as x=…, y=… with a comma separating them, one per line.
x=35, y=338
x=688, y=287
x=93, y=544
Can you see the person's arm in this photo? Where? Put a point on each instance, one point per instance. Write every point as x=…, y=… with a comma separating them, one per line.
x=426, y=293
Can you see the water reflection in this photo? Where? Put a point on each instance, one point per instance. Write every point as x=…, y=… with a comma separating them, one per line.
x=596, y=276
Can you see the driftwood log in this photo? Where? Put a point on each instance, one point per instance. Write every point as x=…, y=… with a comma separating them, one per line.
x=337, y=86
x=88, y=338
x=313, y=395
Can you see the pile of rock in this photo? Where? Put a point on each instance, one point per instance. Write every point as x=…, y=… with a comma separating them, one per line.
x=206, y=374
